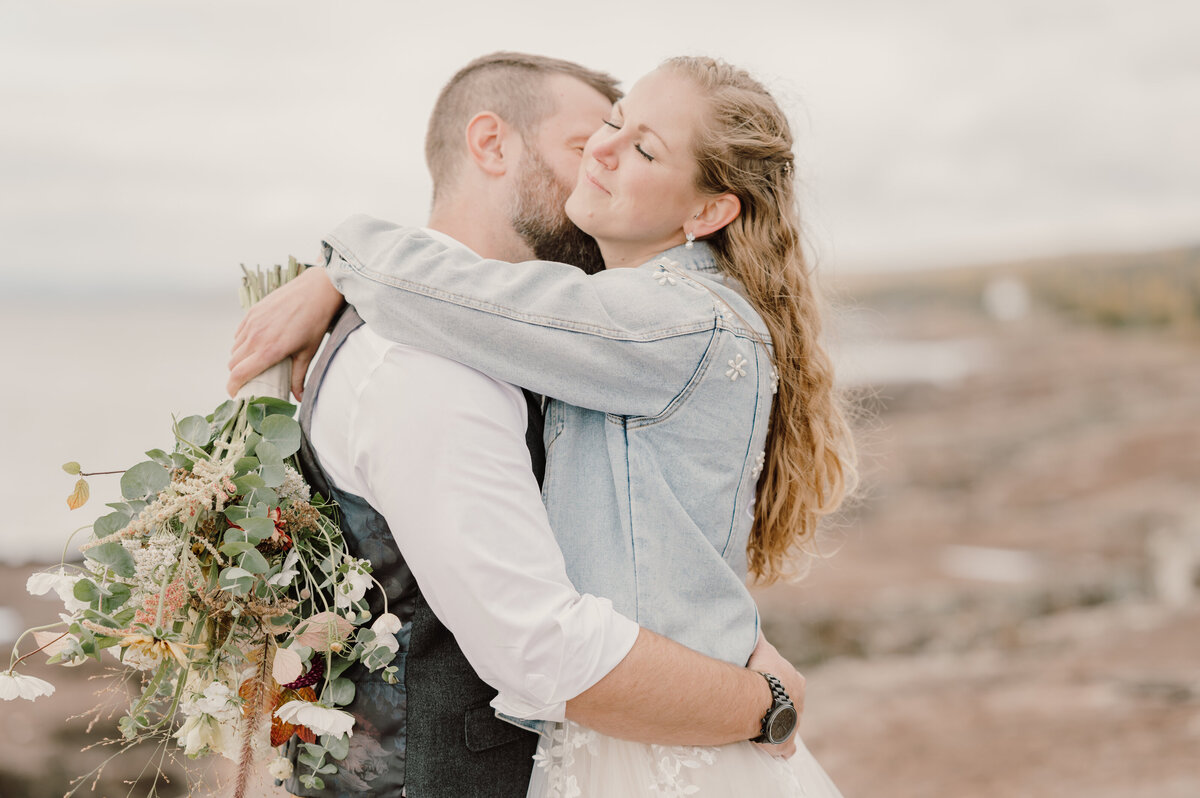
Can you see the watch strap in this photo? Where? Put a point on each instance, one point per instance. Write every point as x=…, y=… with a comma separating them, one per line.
x=779, y=697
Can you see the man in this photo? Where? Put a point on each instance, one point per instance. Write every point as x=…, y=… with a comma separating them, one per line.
x=424, y=452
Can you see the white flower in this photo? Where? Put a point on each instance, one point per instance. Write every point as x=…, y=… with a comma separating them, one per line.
x=386, y=624
x=385, y=628
x=61, y=583
x=294, y=487
x=288, y=572
x=18, y=685
x=353, y=587
x=321, y=719
x=217, y=700
x=204, y=733
x=280, y=768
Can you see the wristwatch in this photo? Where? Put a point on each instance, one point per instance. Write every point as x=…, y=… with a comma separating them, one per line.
x=780, y=720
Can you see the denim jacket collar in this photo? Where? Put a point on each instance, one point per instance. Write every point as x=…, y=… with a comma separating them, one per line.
x=700, y=257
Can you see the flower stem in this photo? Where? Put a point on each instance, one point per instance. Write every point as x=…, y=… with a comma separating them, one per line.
x=14, y=663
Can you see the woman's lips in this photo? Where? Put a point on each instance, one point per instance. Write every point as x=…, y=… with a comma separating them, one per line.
x=596, y=183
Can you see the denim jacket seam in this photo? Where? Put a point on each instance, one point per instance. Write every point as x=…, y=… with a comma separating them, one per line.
x=677, y=403
x=629, y=520
x=737, y=498
x=647, y=336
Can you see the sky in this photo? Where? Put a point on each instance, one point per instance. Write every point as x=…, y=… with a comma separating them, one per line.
x=150, y=145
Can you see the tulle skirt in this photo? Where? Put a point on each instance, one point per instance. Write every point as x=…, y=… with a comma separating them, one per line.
x=576, y=762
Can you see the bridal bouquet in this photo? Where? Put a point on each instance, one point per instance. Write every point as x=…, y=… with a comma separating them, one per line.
x=223, y=588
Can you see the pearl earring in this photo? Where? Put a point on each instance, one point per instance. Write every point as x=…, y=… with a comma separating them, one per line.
x=691, y=239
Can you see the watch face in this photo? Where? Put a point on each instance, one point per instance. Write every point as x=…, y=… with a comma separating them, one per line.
x=782, y=724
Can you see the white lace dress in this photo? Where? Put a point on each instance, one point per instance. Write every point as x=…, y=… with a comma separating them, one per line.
x=576, y=762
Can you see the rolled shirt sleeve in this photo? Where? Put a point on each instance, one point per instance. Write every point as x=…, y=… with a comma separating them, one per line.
x=439, y=449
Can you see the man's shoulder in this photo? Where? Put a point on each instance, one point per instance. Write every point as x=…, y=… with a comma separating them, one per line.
x=385, y=369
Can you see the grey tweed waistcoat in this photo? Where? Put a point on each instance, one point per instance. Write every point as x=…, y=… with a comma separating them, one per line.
x=433, y=733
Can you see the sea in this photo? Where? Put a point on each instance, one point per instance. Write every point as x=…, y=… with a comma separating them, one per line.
x=96, y=378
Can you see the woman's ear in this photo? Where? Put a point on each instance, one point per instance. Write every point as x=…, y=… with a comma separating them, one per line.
x=717, y=212
x=486, y=142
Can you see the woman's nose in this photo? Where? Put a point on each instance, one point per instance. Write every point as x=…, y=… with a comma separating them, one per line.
x=604, y=152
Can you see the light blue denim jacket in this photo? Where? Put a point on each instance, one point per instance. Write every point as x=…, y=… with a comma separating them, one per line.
x=662, y=390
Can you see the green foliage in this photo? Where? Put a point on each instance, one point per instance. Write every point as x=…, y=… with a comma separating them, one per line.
x=114, y=556
x=144, y=480
x=211, y=554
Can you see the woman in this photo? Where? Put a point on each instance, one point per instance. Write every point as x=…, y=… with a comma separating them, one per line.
x=694, y=434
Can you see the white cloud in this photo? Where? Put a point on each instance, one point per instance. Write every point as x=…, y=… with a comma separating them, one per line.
x=206, y=134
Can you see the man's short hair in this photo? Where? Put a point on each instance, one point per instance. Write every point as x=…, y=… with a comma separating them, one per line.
x=508, y=84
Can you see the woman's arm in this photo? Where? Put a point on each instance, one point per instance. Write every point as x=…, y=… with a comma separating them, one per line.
x=623, y=341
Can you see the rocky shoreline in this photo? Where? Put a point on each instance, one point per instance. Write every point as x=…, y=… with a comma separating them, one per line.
x=1010, y=608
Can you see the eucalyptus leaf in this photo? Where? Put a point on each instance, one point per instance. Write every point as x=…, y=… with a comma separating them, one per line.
x=273, y=475
x=340, y=692
x=254, y=562
x=86, y=590
x=248, y=483
x=255, y=414
x=170, y=460
x=224, y=413
x=236, y=580
x=161, y=457
x=283, y=433
x=258, y=529
x=101, y=642
x=105, y=525
x=102, y=619
x=129, y=508
x=118, y=595
x=236, y=514
x=114, y=556
x=235, y=547
x=244, y=466
x=268, y=453
x=338, y=666
x=144, y=480
x=274, y=406
x=264, y=496
x=339, y=746
x=194, y=431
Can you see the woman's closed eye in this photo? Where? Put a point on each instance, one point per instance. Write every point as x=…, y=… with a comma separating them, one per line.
x=637, y=147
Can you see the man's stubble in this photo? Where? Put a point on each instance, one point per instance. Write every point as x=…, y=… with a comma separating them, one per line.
x=538, y=217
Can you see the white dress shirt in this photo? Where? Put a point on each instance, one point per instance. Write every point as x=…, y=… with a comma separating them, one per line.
x=439, y=450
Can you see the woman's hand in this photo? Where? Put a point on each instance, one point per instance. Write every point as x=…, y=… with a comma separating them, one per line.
x=766, y=659
x=288, y=322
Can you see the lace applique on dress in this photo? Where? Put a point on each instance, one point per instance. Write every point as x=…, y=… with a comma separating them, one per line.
x=556, y=755
x=673, y=766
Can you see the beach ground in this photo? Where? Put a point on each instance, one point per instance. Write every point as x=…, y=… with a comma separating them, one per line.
x=1011, y=609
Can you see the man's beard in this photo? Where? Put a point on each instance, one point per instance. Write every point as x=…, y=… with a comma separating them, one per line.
x=538, y=218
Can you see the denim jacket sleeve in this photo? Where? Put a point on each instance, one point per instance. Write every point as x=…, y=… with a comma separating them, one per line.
x=624, y=341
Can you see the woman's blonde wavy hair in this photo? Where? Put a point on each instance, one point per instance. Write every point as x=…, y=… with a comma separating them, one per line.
x=810, y=468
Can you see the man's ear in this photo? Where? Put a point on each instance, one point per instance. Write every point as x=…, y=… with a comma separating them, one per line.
x=488, y=138
x=717, y=212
